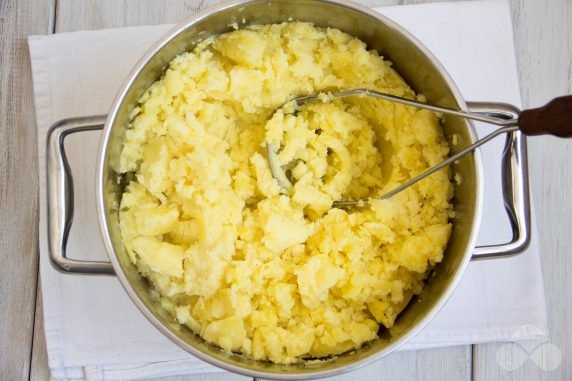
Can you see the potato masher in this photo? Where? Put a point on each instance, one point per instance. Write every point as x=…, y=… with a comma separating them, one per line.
x=555, y=118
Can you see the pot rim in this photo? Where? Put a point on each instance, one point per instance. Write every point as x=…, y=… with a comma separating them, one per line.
x=125, y=283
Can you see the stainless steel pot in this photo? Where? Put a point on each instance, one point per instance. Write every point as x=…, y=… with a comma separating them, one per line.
x=419, y=68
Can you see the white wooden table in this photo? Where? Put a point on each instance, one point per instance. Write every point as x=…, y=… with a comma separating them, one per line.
x=543, y=31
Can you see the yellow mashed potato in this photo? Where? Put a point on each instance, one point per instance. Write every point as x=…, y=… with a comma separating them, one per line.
x=282, y=277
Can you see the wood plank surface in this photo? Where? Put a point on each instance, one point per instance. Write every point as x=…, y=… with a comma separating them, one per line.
x=39, y=364
x=75, y=15
x=543, y=34
x=18, y=183
x=544, y=48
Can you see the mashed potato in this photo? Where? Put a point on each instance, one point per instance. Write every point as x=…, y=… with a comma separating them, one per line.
x=282, y=277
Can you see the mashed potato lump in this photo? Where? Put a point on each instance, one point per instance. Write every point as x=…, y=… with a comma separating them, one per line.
x=274, y=276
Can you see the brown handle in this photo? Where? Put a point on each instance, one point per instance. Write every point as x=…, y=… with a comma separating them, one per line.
x=555, y=118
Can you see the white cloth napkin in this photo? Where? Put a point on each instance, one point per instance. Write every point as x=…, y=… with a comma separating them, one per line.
x=94, y=332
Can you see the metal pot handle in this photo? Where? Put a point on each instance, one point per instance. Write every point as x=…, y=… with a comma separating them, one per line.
x=515, y=188
x=60, y=196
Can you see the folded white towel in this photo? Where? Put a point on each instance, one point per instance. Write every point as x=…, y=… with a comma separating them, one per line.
x=94, y=332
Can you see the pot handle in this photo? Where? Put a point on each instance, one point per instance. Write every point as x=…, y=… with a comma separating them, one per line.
x=515, y=188
x=60, y=196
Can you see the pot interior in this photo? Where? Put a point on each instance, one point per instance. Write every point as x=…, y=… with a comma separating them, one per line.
x=411, y=61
